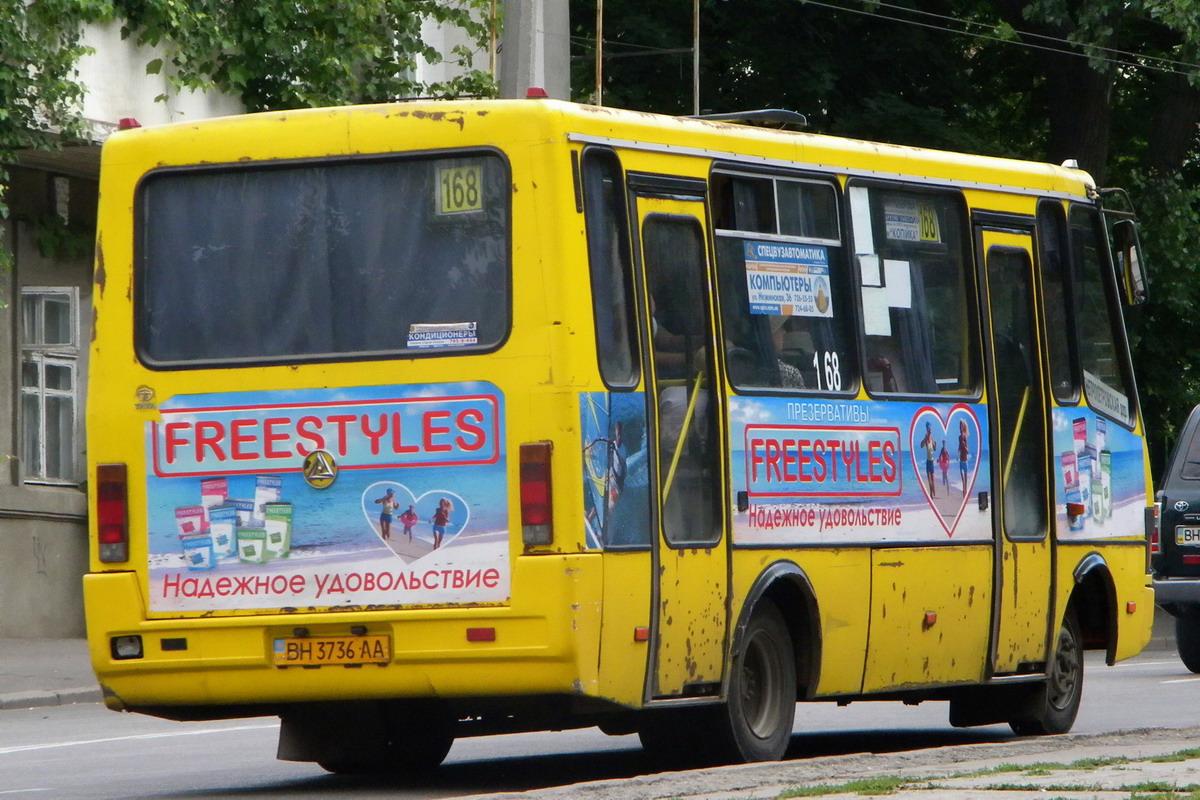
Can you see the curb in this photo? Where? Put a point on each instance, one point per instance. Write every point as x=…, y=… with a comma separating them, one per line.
x=62, y=697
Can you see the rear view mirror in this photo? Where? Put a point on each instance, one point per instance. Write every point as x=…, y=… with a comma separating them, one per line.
x=1127, y=255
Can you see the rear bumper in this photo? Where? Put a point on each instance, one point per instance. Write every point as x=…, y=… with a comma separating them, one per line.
x=228, y=661
x=1180, y=590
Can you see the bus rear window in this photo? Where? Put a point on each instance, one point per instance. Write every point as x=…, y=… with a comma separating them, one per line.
x=323, y=261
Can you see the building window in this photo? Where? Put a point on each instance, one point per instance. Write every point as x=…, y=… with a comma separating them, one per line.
x=49, y=371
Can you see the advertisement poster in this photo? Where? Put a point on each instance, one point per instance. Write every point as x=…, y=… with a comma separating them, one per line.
x=616, y=487
x=791, y=280
x=1100, y=474
x=820, y=472
x=381, y=495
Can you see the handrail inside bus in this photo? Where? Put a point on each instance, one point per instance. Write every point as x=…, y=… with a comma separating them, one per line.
x=683, y=431
x=1012, y=447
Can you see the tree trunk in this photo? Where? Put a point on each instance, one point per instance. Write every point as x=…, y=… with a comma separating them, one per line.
x=1173, y=130
x=1079, y=106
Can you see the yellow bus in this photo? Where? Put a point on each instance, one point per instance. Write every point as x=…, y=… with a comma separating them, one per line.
x=420, y=421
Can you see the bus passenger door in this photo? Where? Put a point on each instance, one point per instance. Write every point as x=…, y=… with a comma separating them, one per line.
x=690, y=562
x=1020, y=457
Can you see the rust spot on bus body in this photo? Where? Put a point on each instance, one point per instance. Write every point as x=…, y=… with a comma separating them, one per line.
x=101, y=276
x=441, y=116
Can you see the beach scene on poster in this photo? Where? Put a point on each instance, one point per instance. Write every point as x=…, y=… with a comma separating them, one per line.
x=379, y=495
x=616, y=490
x=1099, y=465
x=820, y=472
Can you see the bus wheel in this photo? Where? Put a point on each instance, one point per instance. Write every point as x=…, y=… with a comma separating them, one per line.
x=385, y=738
x=1055, y=703
x=756, y=722
x=410, y=754
x=1187, y=637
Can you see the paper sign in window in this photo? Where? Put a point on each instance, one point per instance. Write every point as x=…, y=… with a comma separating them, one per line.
x=868, y=268
x=876, y=320
x=860, y=217
x=897, y=279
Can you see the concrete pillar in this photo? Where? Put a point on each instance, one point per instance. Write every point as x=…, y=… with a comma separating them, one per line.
x=535, y=48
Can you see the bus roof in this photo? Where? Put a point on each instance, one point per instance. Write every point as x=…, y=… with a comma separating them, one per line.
x=354, y=130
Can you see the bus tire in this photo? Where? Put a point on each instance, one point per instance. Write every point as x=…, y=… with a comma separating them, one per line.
x=1187, y=637
x=408, y=755
x=1055, y=703
x=756, y=722
x=397, y=741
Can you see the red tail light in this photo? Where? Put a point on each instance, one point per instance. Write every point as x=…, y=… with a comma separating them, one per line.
x=112, y=513
x=537, y=512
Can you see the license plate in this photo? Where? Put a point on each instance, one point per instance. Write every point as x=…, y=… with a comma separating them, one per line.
x=312, y=651
x=1187, y=535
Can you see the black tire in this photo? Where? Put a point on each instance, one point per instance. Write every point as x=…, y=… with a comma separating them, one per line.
x=674, y=738
x=1187, y=637
x=756, y=722
x=412, y=746
x=1055, y=703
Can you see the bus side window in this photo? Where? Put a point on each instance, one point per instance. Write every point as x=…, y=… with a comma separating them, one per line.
x=919, y=319
x=610, y=260
x=786, y=313
x=1106, y=376
x=1054, y=260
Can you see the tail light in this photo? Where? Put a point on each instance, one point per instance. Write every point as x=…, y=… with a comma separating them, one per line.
x=112, y=513
x=537, y=525
x=1153, y=540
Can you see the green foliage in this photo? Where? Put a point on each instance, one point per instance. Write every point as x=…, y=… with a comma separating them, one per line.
x=1162, y=332
x=279, y=55
x=39, y=96
x=865, y=786
x=57, y=239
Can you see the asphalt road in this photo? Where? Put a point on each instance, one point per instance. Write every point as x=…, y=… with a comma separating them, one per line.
x=85, y=751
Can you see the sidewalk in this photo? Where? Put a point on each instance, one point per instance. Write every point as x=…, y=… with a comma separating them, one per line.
x=45, y=672
x=1137, y=765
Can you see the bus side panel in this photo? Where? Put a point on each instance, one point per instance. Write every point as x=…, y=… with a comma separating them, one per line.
x=1099, y=465
x=624, y=640
x=1132, y=606
x=837, y=578
x=931, y=610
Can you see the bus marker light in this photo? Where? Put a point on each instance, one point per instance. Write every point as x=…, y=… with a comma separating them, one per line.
x=112, y=517
x=537, y=525
x=1075, y=509
x=481, y=634
x=641, y=634
x=1131, y=607
x=930, y=620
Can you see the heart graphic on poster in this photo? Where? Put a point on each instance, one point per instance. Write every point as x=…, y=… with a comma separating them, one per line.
x=952, y=478
x=412, y=539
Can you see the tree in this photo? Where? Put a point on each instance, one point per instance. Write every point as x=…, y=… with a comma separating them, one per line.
x=278, y=55
x=1114, y=84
